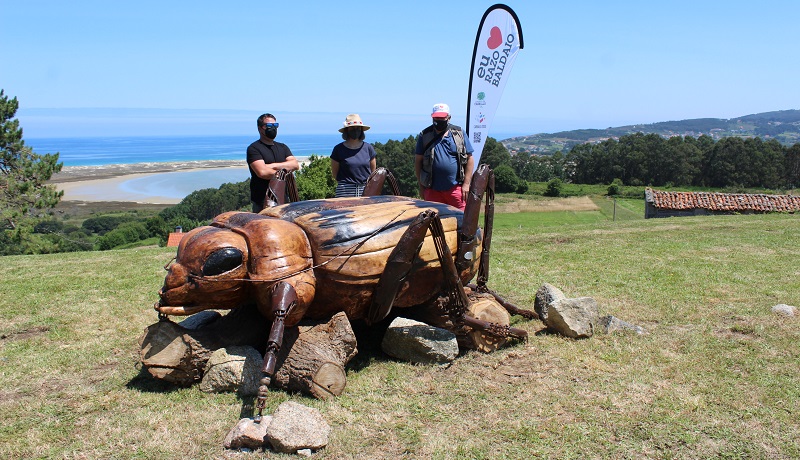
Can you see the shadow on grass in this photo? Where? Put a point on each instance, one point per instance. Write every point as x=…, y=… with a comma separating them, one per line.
x=369, y=338
x=146, y=383
x=545, y=331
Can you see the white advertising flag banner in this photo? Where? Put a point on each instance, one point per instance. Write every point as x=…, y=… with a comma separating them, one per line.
x=497, y=44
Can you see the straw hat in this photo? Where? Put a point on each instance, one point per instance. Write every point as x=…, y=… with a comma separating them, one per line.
x=353, y=120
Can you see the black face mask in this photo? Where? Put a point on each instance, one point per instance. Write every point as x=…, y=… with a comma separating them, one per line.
x=354, y=134
x=271, y=133
x=440, y=124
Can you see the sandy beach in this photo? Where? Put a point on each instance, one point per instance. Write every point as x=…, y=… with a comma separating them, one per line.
x=102, y=183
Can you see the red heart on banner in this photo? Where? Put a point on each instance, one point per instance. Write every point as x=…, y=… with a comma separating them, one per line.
x=495, y=38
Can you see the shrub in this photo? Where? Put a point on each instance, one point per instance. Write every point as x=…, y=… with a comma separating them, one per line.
x=505, y=179
x=207, y=203
x=554, y=187
x=314, y=180
x=615, y=188
x=105, y=223
x=48, y=226
x=129, y=232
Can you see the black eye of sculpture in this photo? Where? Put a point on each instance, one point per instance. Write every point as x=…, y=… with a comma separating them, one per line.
x=222, y=261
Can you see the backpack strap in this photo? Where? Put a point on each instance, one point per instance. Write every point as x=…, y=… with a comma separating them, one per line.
x=426, y=132
x=461, y=152
x=458, y=138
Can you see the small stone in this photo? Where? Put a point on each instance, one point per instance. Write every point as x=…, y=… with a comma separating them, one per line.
x=247, y=434
x=295, y=427
x=304, y=452
x=784, y=310
x=610, y=324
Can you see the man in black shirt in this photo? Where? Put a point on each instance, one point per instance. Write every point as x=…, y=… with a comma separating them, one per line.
x=265, y=157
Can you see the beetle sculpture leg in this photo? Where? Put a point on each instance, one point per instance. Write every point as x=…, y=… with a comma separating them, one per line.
x=281, y=187
x=284, y=298
x=458, y=301
x=510, y=307
x=482, y=183
x=399, y=265
x=376, y=180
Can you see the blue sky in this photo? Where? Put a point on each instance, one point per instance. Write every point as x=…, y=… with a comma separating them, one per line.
x=100, y=68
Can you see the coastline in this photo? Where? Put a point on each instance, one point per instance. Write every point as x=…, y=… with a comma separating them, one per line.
x=98, y=183
x=87, y=173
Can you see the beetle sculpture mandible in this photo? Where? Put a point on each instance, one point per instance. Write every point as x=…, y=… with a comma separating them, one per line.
x=363, y=256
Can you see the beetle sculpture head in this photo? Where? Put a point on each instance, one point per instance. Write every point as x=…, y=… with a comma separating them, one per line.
x=209, y=272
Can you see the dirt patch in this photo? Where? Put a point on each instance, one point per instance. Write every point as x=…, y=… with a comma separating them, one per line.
x=577, y=203
x=26, y=334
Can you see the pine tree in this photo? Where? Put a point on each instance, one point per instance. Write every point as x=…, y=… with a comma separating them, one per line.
x=23, y=173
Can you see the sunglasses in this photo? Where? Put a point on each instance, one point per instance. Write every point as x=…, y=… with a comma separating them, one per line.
x=270, y=125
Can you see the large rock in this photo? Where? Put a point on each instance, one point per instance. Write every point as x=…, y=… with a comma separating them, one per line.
x=231, y=369
x=296, y=427
x=418, y=342
x=546, y=295
x=248, y=434
x=575, y=318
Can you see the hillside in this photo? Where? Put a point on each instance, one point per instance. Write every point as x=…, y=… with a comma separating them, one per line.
x=714, y=377
x=783, y=125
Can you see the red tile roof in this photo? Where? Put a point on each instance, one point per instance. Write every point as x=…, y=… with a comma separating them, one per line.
x=174, y=239
x=723, y=201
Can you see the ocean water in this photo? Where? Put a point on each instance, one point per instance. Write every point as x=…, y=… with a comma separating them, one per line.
x=176, y=185
x=99, y=151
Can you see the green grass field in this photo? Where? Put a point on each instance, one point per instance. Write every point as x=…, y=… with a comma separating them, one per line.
x=715, y=377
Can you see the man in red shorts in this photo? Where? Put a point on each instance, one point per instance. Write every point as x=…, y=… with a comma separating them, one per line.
x=443, y=160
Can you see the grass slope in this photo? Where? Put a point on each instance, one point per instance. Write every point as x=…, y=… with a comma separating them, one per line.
x=717, y=376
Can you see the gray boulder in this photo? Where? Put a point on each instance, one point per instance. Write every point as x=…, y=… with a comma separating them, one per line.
x=546, y=295
x=574, y=318
x=295, y=427
x=236, y=368
x=418, y=342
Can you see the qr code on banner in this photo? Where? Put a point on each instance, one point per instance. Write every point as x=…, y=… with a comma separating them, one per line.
x=476, y=137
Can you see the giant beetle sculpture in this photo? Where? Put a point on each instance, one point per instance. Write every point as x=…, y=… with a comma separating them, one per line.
x=362, y=256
